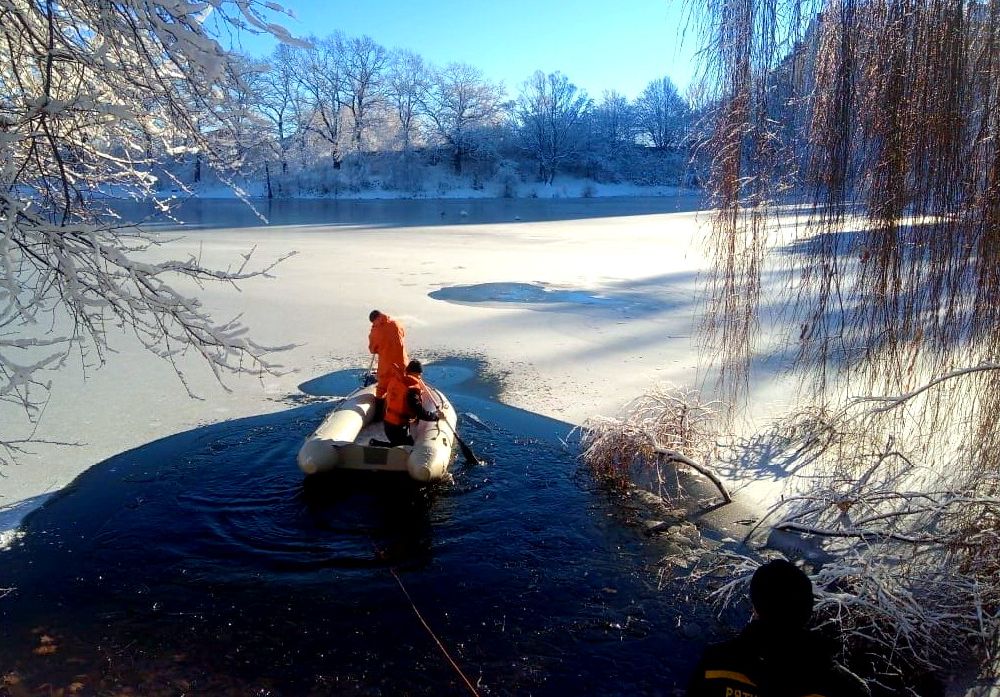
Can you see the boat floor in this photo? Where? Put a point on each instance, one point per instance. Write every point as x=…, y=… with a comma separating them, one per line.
x=361, y=456
x=372, y=430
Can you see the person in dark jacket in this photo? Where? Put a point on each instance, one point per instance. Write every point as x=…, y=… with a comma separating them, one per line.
x=404, y=404
x=776, y=655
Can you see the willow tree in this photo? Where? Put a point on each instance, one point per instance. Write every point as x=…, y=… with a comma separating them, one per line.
x=879, y=122
x=94, y=97
x=883, y=114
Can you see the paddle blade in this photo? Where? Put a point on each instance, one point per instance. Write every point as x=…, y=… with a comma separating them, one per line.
x=467, y=451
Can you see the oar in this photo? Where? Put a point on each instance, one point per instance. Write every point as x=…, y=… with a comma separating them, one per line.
x=466, y=450
x=366, y=380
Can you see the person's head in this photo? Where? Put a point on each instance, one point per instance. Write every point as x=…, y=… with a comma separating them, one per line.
x=781, y=594
x=374, y=315
x=414, y=367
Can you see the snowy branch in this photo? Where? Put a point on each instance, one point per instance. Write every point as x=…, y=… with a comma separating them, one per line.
x=91, y=95
x=891, y=402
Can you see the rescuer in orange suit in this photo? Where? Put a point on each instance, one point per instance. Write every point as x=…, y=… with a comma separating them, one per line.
x=386, y=341
x=403, y=404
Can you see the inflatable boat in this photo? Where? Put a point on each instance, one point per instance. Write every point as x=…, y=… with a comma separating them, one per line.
x=342, y=440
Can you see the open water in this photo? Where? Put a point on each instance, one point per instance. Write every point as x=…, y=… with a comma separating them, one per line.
x=203, y=563
x=374, y=213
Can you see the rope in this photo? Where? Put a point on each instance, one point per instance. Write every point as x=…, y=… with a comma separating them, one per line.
x=430, y=631
x=454, y=665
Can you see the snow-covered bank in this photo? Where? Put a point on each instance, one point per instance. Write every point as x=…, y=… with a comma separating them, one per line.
x=443, y=186
x=563, y=356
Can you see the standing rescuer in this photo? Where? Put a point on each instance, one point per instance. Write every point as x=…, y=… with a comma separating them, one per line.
x=776, y=655
x=386, y=341
x=403, y=404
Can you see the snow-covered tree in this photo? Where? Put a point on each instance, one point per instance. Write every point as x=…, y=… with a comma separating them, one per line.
x=661, y=114
x=405, y=84
x=459, y=102
x=364, y=64
x=280, y=100
x=239, y=106
x=320, y=74
x=613, y=123
x=550, y=114
x=90, y=94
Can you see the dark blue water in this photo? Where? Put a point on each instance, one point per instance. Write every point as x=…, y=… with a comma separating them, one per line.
x=204, y=564
x=518, y=293
x=230, y=213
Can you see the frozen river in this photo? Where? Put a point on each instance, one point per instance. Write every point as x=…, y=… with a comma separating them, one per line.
x=189, y=551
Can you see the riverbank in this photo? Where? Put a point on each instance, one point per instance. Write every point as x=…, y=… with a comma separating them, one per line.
x=442, y=187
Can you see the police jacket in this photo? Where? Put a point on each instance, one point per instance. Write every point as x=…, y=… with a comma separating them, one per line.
x=770, y=662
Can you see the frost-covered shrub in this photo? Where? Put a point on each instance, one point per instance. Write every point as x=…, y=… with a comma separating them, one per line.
x=649, y=167
x=405, y=173
x=908, y=537
x=621, y=449
x=507, y=179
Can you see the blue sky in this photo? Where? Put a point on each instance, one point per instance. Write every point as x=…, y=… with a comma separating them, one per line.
x=598, y=44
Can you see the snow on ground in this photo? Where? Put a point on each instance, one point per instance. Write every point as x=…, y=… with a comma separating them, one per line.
x=584, y=315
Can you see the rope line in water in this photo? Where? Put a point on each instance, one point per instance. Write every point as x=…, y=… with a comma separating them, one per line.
x=430, y=631
x=416, y=611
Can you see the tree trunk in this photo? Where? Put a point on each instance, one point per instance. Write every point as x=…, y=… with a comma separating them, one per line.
x=267, y=175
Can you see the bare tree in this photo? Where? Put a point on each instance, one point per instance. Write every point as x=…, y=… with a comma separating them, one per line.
x=899, y=102
x=613, y=123
x=405, y=85
x=458, y=101
x=550, y=114
x=662, y=114
x=90, y=93
x=280, y=99
x=364, y=66
x=320, y=73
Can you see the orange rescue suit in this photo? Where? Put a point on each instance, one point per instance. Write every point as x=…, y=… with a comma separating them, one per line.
x=386, y=340
x=398, y=411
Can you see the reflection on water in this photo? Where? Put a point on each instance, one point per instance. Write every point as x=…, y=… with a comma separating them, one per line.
x=202, y=563
x=227, y=213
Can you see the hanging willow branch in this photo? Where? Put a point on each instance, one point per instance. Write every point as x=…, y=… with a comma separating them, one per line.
x=881, y=120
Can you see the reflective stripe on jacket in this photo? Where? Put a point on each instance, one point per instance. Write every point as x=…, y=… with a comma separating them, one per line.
x=772, y=661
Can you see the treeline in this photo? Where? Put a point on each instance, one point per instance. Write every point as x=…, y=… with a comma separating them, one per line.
x=346, y=113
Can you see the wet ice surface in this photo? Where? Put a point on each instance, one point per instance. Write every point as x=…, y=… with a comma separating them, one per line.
x=519, y=293
x=203, y=562
x=620, y=302
x=318, y=301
